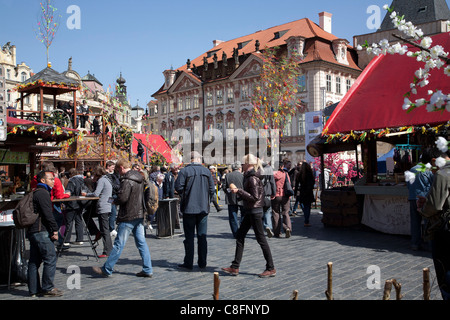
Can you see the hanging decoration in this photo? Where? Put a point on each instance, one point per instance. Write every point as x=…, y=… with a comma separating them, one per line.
x=47, y=25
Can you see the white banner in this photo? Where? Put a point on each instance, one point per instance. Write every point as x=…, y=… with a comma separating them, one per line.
x=313, y=127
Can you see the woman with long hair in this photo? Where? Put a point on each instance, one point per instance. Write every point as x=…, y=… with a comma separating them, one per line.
x=306, y=181
x=253, y=198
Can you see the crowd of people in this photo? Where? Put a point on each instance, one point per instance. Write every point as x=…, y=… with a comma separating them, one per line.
x=252, y=190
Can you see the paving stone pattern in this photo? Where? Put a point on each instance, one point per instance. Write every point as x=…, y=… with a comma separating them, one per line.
x=300, y=261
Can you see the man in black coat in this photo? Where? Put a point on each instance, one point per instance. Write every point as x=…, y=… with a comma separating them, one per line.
x=41, y=234
x=234, y=204
x=169, y=182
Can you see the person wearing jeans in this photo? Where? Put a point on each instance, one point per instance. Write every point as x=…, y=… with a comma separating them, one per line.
x=130, y=219
x=41, y=236
x=124, y=229
x=234, y=204
x=196, y=188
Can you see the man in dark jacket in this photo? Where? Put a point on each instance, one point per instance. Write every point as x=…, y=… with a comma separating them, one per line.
x=234, y=204
x=130, y=220
x=195, y=186
x=74, y=208
x=41, y=234
x=169, y=182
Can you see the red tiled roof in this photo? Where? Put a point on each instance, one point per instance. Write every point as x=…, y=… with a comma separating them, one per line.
x=303, y=27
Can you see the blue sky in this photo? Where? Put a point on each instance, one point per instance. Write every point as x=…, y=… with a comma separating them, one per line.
x=142, y=38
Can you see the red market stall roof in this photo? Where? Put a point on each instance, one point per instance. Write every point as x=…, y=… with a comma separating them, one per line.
x=44, y=131
x=375, y=100
x=154, y=143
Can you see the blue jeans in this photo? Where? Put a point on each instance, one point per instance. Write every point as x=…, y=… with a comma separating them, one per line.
x=267, y=221
x=233, y=217
x=123, y=231
x=192, y=222
x=306, y=207
x=416, y=224
x=42, y=250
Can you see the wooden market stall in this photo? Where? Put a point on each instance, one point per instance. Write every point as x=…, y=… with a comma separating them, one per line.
x=19, y=154
x=372, y=112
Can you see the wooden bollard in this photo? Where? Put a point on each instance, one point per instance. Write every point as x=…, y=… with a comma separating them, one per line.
x=387, y=290
x=295, y=295
x=329, y=292
x=398, y=289
x=216, y=286
x=426, y=284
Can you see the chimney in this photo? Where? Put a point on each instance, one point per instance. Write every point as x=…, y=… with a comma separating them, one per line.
x=217, y=42
x=325, y=21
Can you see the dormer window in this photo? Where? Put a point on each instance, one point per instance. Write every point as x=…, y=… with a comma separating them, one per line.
x=279, y=34
x=243, y=44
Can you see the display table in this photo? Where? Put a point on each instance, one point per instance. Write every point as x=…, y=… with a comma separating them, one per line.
x=166, y=217
x=386, y=207
x=12, y=246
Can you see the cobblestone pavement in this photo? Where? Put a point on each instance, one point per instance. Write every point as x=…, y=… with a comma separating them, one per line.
x=300, y=261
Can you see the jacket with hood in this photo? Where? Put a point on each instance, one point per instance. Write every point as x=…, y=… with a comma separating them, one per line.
x=130, y=197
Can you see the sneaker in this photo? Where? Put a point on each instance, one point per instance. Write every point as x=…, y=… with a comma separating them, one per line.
x=269, y=232
x=53, y=293
x=99, y=271
x=142, y=274
x=288, y=233
x=231, y=271
x=268, y=274
x=78, y=243
x=103, y=256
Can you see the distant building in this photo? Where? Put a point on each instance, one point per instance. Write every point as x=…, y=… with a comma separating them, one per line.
x=217, y=85
x=11, y=74
x=429, y=15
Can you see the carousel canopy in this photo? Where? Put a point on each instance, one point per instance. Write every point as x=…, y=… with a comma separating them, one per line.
x=375, y=100
x=52, y=81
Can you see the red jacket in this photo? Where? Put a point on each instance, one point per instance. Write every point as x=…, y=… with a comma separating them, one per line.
x=57, y=190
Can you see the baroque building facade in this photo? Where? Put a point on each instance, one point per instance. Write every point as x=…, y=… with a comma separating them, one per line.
x=216, y=87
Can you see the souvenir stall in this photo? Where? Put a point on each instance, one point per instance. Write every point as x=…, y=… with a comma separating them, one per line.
x=372, y=112
x=19, y=154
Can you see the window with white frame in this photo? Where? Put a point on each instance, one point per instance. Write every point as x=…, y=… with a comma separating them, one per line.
x=349, y=84
x=23, y=76
x=338, y=84
x=180, y=104
x=188, y=103
x=219, y=96
x=195, y=102
x=301, y=124
x=301, y=82
x=328, y=83
x=244, y=92
x=230, y=95
x=209, y=99
x=287, y=130
x=163, y=107
x=171, y=107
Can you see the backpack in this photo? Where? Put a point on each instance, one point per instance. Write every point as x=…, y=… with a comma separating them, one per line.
x=151, y=198
x=24, y=215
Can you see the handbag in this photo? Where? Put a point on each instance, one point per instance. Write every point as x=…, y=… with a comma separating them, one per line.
x=288, y=191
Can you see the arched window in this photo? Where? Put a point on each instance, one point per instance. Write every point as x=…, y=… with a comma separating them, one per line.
x=23, y=76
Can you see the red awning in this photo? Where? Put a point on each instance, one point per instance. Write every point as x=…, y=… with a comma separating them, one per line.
x=375, y=100
x=154, y=143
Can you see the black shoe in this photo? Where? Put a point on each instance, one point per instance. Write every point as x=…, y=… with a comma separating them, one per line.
x=183, y=266
x=143, y=274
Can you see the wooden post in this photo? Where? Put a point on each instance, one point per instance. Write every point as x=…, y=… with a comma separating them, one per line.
x=216, y=286
x=75, y=109
x=398, y=289
x=329, y=292
x=295, y=295
x=426, y=284
x=41, y=94
x=387, y=290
